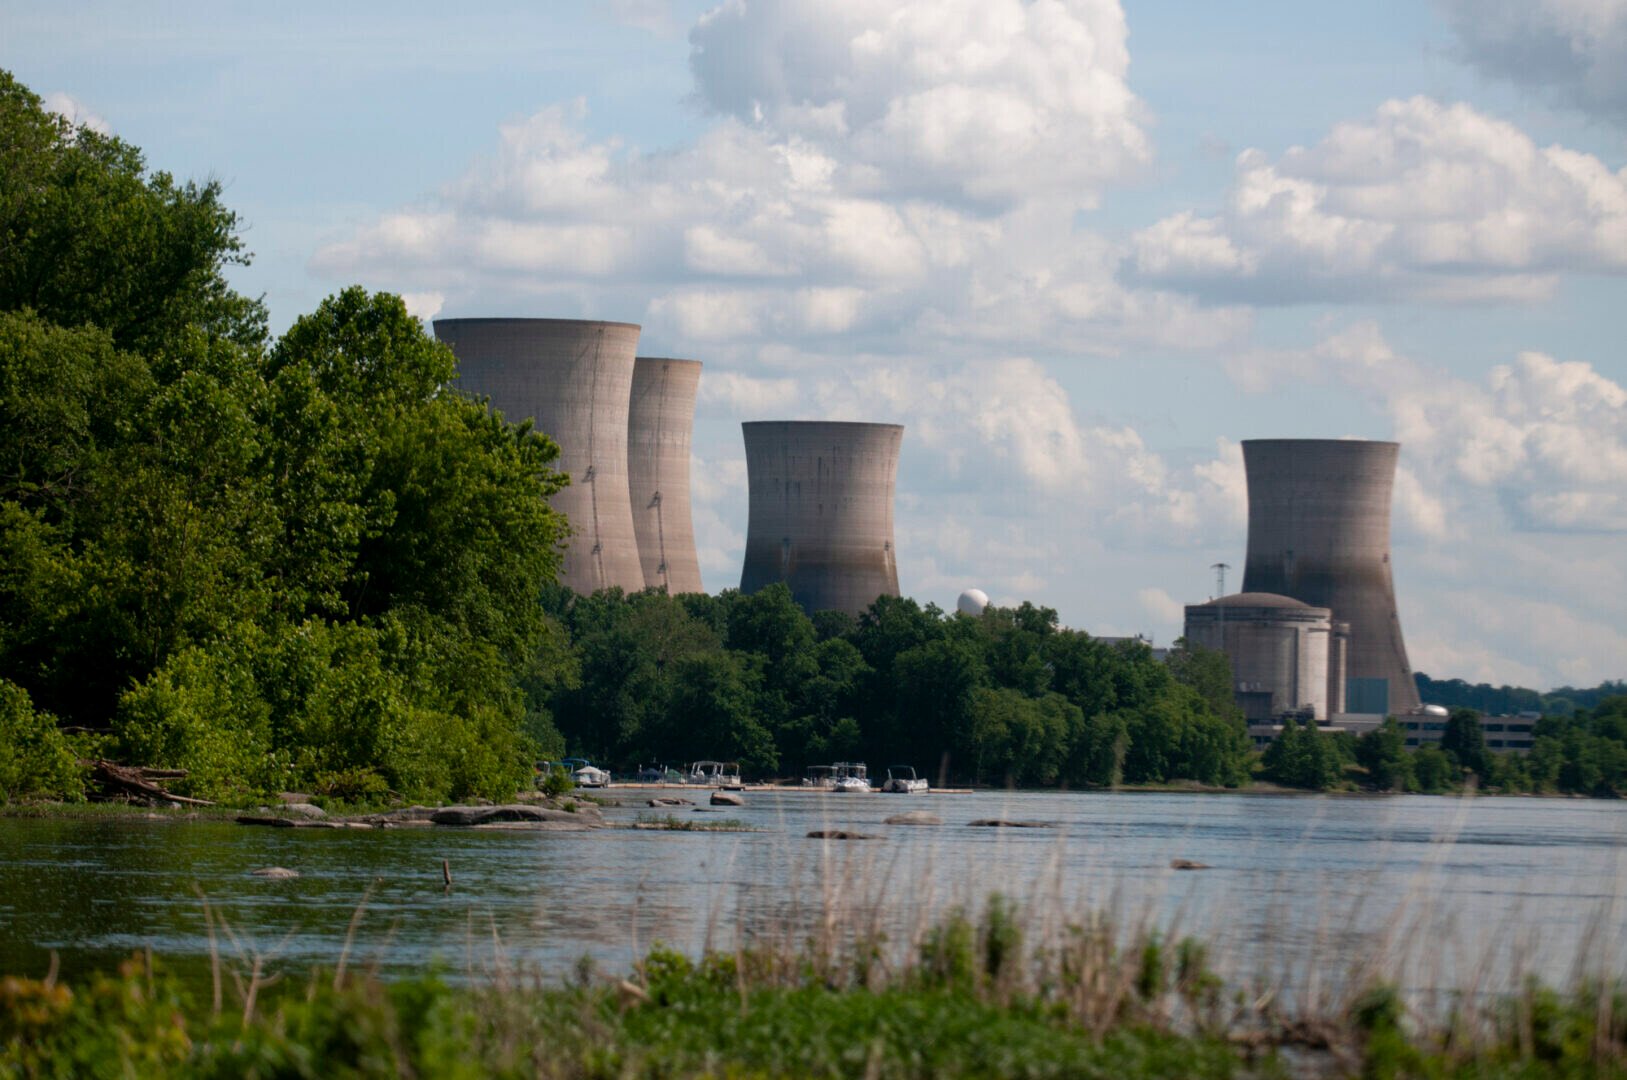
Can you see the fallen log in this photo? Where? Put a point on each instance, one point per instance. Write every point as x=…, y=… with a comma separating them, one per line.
x=136, y=782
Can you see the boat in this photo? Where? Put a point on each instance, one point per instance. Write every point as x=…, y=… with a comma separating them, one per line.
x=819, y=777
x=901, y=780
x=585, y=773
x=850, y=776
x=724, y=775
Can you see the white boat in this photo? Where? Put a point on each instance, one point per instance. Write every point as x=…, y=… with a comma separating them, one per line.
x=724, y=775
x=901, y=780
x=586, y=774
x=850, y=776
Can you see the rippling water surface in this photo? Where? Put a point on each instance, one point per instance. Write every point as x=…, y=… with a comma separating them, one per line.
x=1296, y=885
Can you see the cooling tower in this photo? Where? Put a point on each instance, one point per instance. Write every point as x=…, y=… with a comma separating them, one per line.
x=821, y=517
x=1319, y=531
x=573, y=378
x=658, y=430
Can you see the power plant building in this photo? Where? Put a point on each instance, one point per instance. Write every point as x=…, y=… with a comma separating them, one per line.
x=659, y=426
x=574, y=379
x=821, y=511
x=1319, y=532
x=1287, y=657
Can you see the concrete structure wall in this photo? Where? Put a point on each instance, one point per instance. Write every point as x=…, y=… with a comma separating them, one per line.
x=1278, y=648
x=1338, y=665
x=821, y=515
x=1319, y=531
x=660, y=422
x=574, y=379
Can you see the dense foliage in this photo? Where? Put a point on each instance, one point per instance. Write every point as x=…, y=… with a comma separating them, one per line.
x=1008, y=697
x=270, y=564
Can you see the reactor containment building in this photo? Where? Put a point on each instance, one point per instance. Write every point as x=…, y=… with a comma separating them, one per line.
x=821, y=511
x=1286, y=656
x=575, y=379
x=1319, y=532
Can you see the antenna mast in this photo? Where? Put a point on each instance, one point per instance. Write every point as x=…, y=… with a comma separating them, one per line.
x=1220, y=569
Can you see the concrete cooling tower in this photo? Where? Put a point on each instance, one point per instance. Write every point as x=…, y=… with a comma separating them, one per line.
x=821, y=516
x=659, y=424
x=1319, y=531
x=574, y=379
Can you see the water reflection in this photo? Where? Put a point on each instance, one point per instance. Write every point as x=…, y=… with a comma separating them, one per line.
x=1295, y=884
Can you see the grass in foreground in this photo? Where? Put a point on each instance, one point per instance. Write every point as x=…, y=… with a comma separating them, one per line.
x=970, y=998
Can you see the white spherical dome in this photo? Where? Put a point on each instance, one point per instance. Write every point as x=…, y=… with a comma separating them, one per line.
x=972, y=602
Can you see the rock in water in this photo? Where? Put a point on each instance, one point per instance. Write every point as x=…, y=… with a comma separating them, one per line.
x=914, y=817
x=837, y=834
x=1002, y=823
x=727, y=798
x=1187, y=864
x=584, y=817
x=275, y=873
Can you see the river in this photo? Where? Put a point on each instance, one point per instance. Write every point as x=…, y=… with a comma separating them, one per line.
x=1302, y=887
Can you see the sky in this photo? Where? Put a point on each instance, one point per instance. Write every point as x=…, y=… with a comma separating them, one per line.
x=1079, y=249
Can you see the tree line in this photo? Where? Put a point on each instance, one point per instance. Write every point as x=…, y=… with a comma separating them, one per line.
x=1509, y=700
x=1007, y=697
x=1583, y=753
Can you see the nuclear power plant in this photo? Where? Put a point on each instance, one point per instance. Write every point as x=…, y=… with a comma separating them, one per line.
x=574, y=380
x=1314, y=632
x=659, y=426
x=820, y=517
x=1319, y=532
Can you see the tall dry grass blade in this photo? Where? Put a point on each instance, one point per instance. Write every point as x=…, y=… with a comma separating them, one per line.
x=350, y=935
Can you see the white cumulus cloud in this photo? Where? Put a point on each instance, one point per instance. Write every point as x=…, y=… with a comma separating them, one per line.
x=1421, y=201
x=986, y=100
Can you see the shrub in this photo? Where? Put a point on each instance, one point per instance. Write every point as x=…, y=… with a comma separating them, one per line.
x=35, y=759
x=202, y=712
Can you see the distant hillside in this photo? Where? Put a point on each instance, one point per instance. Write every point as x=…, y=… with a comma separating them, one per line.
x=1498, y=700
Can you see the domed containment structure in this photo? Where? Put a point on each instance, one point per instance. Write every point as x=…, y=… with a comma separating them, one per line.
x=1319, y=531
x=821, y=516
x=659, y=425
x=972, y=602
x=574, y=379
x=1282, y=652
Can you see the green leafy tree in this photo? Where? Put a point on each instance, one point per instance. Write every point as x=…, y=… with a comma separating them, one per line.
x=1463, y=741
x=1209, y=673
x=1301, y=757
x=1383, y=753
x=1435, y=772
x=934, y=709
x=89, y=237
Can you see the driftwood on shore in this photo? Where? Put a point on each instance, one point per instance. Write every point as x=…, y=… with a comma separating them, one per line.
x=136, y=782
